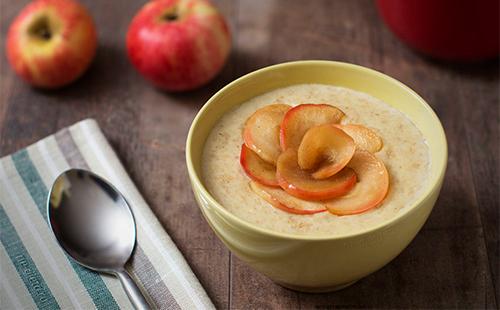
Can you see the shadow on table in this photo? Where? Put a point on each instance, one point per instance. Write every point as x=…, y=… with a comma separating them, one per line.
x=109, y=68
x=484, y=70
x=437, y=270
x=235, y=67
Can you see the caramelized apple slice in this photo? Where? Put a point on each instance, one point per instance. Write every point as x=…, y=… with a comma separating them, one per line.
x=325, y=146
x=256, y=168
x=281, y=200
x=369, y=191
x=364, y=138
x=261, y=132
x=301, y=184
x=302, y=117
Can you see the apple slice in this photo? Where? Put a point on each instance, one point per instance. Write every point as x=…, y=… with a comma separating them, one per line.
x=256, y=168
x=302, y=117
x=261, y=132
x=301, y=184
x=369, y=191
x=281, y=200
x=364, y=138
x=326, y=147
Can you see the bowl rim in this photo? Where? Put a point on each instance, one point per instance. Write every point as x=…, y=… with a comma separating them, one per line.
x=198, y=185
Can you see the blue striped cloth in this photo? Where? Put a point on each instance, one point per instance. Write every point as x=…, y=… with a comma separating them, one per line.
x=34, y=270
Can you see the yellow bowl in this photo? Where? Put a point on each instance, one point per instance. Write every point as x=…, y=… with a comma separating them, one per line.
x=308, y=263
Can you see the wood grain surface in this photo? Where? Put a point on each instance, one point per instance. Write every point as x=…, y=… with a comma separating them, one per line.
x=454, y=260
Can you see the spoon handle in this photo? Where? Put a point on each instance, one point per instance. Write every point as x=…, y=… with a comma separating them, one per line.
x=133, y=292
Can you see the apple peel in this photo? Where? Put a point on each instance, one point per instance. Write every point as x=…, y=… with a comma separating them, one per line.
x=369, y=191
x=300, y=118
x=178, y=45
x=51, y=43
x=325, y=146
x=301, y=184
x=279, y=199
x=261, y=132
x=256, y=168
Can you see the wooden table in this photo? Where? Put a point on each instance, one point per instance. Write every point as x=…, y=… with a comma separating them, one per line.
x=454, y=260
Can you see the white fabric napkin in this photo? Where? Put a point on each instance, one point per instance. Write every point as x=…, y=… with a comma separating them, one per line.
x=36, y=273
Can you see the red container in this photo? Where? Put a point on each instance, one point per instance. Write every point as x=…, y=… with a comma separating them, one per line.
x=462, y=30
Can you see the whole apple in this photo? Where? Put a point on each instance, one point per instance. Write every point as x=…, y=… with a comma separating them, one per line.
x=51, y=42
x=178, y=44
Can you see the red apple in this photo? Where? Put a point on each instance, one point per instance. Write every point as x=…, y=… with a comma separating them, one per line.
x=51, y=42
x=178, y=44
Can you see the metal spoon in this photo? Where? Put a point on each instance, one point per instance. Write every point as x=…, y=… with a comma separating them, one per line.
x=94, y=224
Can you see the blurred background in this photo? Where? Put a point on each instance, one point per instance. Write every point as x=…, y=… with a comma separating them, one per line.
x=447, y=51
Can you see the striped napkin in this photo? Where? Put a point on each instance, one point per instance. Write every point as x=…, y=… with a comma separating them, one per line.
x=36, y=273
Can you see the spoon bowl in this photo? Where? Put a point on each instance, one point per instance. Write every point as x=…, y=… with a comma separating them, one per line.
x=93, y=223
